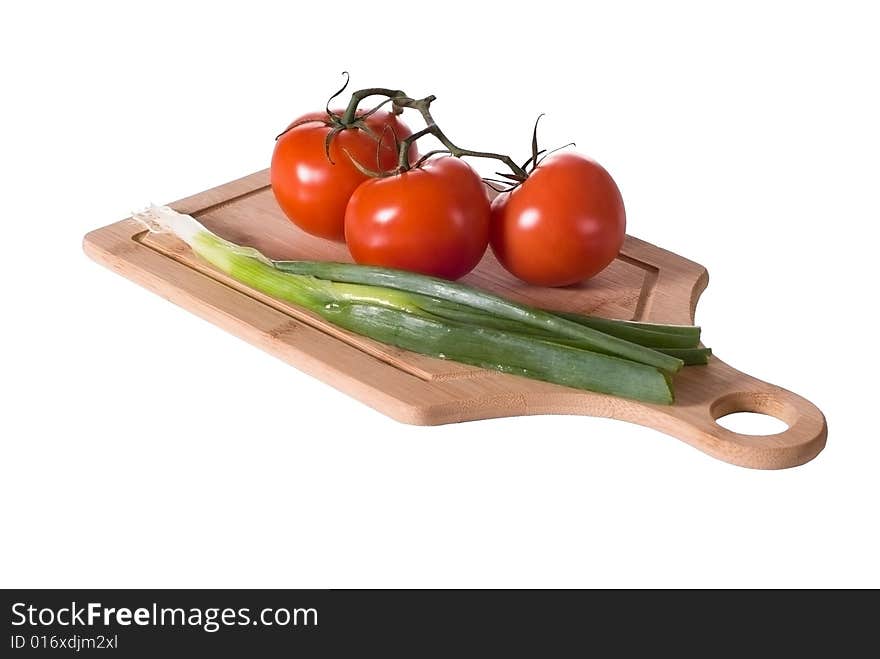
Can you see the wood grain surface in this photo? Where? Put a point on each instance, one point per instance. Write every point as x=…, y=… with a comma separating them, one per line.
x=644, y=283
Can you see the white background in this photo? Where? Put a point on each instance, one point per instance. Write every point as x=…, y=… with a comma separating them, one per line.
x=142, y=446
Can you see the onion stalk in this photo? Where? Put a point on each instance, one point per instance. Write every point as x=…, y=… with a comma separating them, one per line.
x=451, y=321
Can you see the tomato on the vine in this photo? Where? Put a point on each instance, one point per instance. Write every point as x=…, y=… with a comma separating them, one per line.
x=432, y=219
x=563, y=224
x=313, y=191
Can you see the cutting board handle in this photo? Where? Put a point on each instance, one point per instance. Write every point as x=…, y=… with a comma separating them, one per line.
x=706, y=397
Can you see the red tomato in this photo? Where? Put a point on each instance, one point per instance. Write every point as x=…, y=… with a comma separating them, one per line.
x=433, y=219
x=312, y=191
x=565, y=223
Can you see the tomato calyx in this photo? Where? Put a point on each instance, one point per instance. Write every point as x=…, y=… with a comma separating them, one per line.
x=538, y=156
x=351, y=118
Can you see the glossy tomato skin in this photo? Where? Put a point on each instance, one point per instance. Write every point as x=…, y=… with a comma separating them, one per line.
x=433, y=219
x=564, y=224
x=312, y=191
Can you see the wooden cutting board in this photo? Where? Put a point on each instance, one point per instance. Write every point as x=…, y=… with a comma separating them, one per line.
x=644, y=283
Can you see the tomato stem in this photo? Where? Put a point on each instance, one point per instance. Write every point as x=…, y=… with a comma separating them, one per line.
x=399, y=100
x=350, y=114
x=423, y=106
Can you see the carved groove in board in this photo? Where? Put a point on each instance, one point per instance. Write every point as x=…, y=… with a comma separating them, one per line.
x=643, y=304
x=229, y=202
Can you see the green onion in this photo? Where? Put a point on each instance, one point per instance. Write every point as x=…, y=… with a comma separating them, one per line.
x=466, y=296
x=446, y=320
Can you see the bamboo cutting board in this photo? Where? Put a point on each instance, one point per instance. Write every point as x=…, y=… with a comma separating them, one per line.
x=644, y=283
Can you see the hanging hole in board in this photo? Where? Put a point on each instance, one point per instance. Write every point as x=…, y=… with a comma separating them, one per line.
x=752, y=423
x=752, y=413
